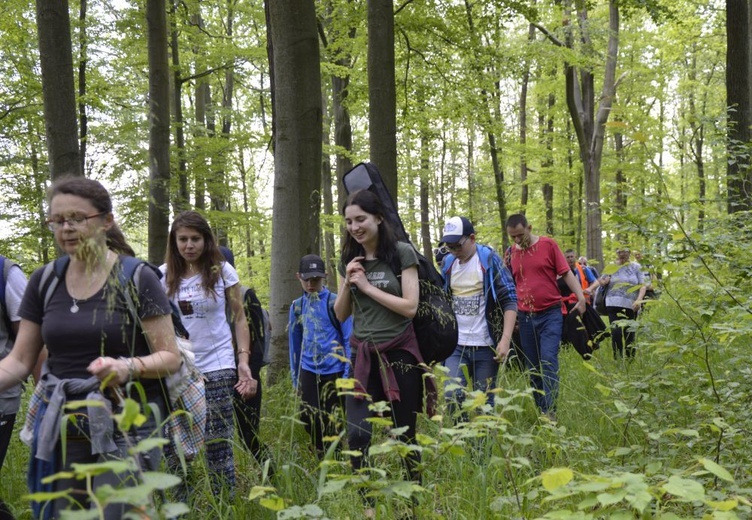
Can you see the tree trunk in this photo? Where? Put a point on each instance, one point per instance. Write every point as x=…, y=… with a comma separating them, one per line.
x=58, y=91
x=523, y=127
x=589, y=126
x=382, y=95
x=159, y=130
x=329, y=252
x=181, y=200
x=297, y=159
x=738, y=84
x=82, y=63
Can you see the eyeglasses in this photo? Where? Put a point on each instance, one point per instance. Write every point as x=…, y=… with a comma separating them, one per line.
x=55, y=223
x=457, y=245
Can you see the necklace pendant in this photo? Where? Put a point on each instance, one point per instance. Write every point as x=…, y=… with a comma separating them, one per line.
x=74, y=307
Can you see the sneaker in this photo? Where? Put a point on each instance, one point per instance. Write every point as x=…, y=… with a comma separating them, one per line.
x=550, y=417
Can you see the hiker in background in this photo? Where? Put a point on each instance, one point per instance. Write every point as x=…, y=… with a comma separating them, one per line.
x=248, y=411
x=379, y=288
x=536, y=262
x=485, y=303
x=626, y=290
x=319, y=352
x=12, y=287
x=584, y=263
x=204, y=286
x=87, y=327
x=585, y=278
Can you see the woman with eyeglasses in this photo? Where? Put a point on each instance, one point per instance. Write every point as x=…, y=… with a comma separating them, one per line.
x=379, y=288
x=626, y=291
x=94, y=351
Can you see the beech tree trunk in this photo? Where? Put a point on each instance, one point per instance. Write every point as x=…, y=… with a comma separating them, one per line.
x=297, y=159
x=159, y=130
x=82, y=62
x=58, y=91
x=738, y=173
x=382, y=95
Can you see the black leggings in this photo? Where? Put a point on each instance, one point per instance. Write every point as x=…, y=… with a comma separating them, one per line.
x=318, y=407
x=404, y=412
x=622, y=338
x=248, y=417
x=6, y=432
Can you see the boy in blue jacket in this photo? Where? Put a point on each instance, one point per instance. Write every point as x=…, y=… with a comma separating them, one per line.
x=485, y=302
x=319, y=351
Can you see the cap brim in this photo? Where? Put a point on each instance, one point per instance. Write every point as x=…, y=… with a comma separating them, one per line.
x=451, y=239
x=315, y=274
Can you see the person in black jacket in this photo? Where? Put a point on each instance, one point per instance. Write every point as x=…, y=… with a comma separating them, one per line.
x=248, y=412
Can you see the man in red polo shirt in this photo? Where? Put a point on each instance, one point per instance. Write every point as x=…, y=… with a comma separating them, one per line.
x=536, y=262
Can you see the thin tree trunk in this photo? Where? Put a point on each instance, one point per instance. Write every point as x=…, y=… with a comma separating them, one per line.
x=181, y=201
x=523, y=125
x=82, y=63
x=159, y=129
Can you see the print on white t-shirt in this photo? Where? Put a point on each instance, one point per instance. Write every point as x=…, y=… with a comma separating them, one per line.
x=469, y=303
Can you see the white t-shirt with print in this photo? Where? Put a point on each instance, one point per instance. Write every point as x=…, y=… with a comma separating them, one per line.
x=205, y=318
x=469, y=303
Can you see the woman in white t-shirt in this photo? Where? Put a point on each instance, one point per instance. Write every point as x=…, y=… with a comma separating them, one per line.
x=199, y=281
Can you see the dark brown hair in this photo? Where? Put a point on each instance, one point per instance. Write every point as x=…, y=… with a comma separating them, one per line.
x=99, y=197
x=209, y=263
x=386, y=249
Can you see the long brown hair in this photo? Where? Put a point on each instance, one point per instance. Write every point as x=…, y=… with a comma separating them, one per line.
x=386, y=249
x=209, y=263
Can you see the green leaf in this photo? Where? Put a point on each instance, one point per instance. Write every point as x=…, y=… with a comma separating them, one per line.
x=607, y=499
x=173, y=509
x=725, y=505
x=716, y=470
x=273, y=503
x=555, y=478
x=260, y=491
x=158, y=480
x=684, y=488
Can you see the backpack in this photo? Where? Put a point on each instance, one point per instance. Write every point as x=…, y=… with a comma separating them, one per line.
x=260, y=327
x=435, y=323
x=185, y=388
x=267, y=328
x=5, y=267
x=298, y=310
x=599, y=303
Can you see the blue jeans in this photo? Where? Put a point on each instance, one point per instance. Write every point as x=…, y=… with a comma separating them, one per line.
x=540, y=335
x=481, y=367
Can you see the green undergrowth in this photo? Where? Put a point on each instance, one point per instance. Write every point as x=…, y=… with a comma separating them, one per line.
x=665, y=435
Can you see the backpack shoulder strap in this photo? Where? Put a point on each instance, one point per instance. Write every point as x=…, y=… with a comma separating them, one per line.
x=3, y=278
x=129, y=276
x=51, y=276
x=332, y=316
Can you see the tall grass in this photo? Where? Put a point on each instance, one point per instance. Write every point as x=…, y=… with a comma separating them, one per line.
x=665, y=435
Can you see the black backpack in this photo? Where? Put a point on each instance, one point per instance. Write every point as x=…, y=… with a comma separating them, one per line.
x=435, y=323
